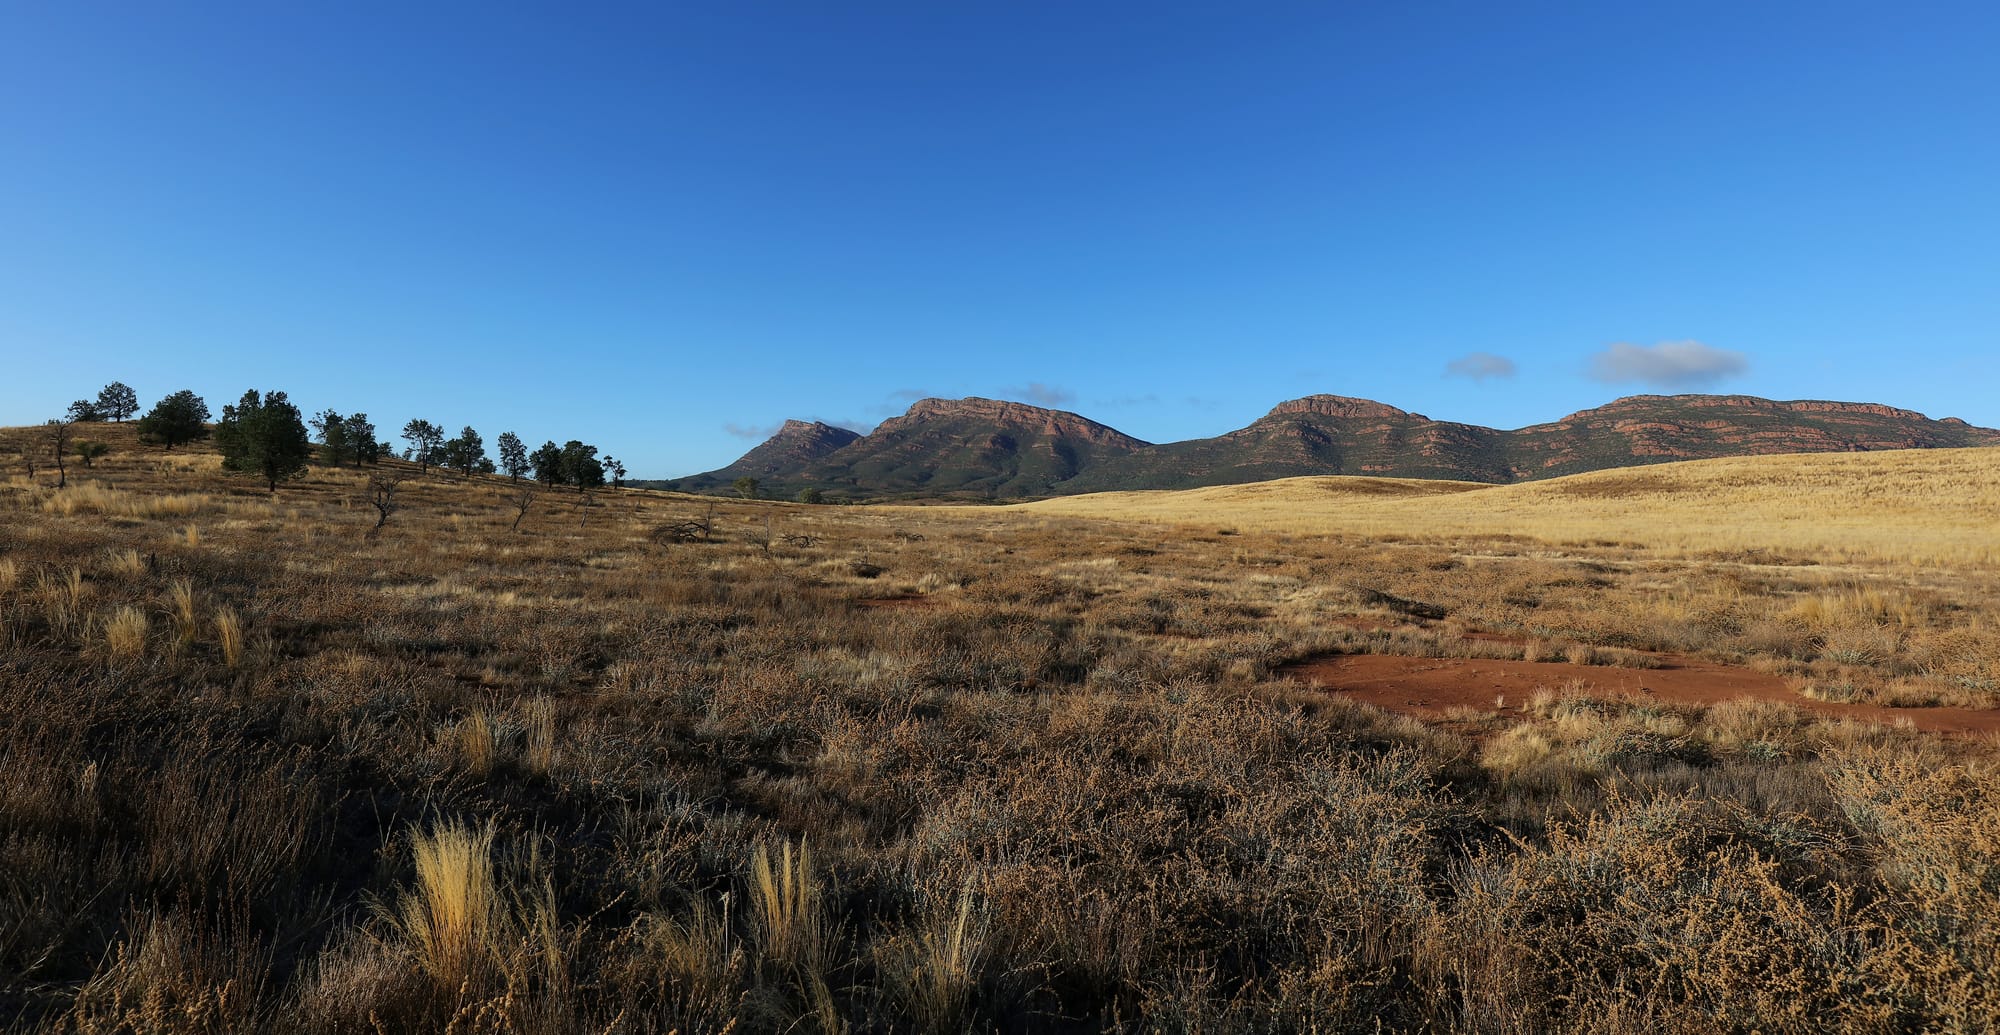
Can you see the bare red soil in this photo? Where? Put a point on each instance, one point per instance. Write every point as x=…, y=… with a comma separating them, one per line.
x=1427, y=687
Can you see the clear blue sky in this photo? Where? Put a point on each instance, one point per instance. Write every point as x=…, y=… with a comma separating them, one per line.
x=661, y=228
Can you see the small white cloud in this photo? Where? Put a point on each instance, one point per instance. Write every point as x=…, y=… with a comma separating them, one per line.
x=1043, y=394
x=1669, y=364
x=1479, y=366
x=758, y=432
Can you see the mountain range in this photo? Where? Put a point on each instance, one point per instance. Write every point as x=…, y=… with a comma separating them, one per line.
x=987, y=449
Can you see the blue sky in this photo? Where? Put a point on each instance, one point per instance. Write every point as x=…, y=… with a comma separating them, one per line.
x=665, y=228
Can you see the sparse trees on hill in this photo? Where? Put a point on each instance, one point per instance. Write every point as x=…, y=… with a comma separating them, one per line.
x=580, y=466
x=179, y=418
x=466, y=454
x=548, y=464
x=746, y=487
x=616, y=470
x=361, y=439
x=83, y=411
x=117, y=402
x=513, y=455
x=425, y=439
x=335, y=447
x=263, y=436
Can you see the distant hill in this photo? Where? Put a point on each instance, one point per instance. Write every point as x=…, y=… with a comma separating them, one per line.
x=966, y=448
x=797, y=444
x=980, y=448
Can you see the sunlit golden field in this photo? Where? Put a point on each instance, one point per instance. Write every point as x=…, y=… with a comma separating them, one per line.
x=1929, y=507
x=1061, y=767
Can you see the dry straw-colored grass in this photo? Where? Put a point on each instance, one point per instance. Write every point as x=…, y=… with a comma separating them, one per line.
x=1051, y=770
x=452, y=919
x=1928, y=506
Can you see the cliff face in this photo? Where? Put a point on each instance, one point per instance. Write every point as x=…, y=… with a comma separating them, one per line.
x=984, y=448
x=1656, y=428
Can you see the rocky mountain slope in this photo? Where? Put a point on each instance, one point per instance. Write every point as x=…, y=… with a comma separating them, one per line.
x=971, y=448
x=797, y=444
x=982, y=448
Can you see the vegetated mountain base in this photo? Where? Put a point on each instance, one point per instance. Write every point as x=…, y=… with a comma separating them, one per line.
x=946, y=769
x=982, y=449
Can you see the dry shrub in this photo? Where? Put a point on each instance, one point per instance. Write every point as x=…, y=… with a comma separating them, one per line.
x=1653, y=915
x=1935, y=831
x=172, y=977
x=10, y=574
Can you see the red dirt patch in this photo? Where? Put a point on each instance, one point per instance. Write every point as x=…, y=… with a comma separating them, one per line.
x=1426, y=687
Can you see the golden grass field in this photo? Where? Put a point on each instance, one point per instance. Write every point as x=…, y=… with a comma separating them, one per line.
x=1936, y=507
x=1032, y=768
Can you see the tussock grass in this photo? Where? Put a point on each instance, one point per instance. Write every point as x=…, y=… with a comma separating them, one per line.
x=452, y=919
x=125, y=630
x=229, y=636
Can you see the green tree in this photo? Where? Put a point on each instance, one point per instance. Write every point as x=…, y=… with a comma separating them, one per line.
x=811, y=494
x=616, y=470
x=580, y=466
x=264, y=436
x=361, y=439
x=178, y=418
x=548, y=464
x=513, y=455
x=89, y=451
x=83, y=411
x=466, y=454
x=746, y=487
x=425, y=439
x=117, y=402
x=335, y=447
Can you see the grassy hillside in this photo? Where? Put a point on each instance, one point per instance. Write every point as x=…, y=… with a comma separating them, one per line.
x=1924, y=506
x=928, y=769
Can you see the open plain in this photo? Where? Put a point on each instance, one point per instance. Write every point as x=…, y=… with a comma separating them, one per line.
x=1702, y=747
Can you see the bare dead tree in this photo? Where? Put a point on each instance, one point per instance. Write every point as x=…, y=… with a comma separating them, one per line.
x=56, y=434
x=382, y=489
x=909, y=537
x=800, y=539
x=521, y=498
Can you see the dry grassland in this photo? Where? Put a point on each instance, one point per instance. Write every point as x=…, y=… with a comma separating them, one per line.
x=985, y=769
x=1938, y=507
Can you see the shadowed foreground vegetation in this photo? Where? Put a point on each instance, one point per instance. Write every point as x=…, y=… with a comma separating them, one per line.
x=269, y=768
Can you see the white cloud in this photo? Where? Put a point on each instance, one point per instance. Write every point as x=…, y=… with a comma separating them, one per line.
x=758, y=432
x=1669, y=364
x=1043, y=394
x=1479, y=366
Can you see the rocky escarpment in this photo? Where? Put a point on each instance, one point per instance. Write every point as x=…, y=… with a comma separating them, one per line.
x=977, y=448
x=986, y=448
